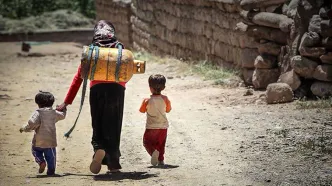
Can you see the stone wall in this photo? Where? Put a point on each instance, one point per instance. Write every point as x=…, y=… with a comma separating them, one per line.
x=193, y=29
x=287, y=41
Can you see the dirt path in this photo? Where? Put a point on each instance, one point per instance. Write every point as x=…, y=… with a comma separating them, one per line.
x=217, y=136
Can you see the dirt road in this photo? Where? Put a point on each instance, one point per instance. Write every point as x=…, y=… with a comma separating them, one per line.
x=217, y=136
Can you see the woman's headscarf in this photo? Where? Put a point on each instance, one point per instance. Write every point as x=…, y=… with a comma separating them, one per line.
x=104, y=35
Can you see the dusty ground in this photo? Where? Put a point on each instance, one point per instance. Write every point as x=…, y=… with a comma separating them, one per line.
x=217, y=136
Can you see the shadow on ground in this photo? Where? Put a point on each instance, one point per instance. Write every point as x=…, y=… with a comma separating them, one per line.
x=123, y=175
x=166, y=166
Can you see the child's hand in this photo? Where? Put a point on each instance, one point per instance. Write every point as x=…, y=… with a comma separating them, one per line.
x=21, y=130
x=62, y=107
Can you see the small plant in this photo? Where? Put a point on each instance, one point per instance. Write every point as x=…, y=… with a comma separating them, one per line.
x=311, y=104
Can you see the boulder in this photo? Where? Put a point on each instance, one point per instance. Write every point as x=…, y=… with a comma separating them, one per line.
x=292, y=8
x=266, y=61
x=268, y=19
x=271, y=34
x=290, y=78
x=327, y=43
x=310, y=39
x=261, y=78
x=321, y=89
x=326, y=28
x=326, y=58
x=256, y=4
x=314, y=24
x=247, y=57
x=303, y=66
x=279, y=93
x=314, y=52
x=269, y=48
x=323, y=72
x=284, y=59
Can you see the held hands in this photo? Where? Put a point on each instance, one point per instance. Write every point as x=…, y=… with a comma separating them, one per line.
x=62, y=107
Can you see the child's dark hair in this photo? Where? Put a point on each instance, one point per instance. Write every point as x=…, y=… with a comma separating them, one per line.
x=157, y=82
x=44, y=99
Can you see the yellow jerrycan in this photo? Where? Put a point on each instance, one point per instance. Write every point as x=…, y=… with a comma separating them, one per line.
x=110, y=64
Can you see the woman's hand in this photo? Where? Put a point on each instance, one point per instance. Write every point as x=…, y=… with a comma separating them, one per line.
x=61, y=107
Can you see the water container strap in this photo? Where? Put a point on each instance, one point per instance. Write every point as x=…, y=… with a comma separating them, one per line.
x=118, y=62
x=85, y=80
x=94, y=63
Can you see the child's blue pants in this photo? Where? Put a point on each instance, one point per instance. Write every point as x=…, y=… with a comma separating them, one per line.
x=48, y=154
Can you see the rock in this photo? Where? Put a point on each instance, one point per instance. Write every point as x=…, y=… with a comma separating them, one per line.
x=314, y=24
x=327, y=58
x=284, y=59
x=327, y=43
x=323, y=12
x=271, y=34
x=268, y=19
x=323, y=72
x=241, y=27
x=247, y=57
x=279, y=93
x=269, y=48
x=310, y=39
x=326, y=28
x=248, y=92
x=247, y=75
x=266, y=61
x=303, y=66
x=321, y=89
x=292, y=8
x=263, y=77
x=290, y=78
x=271, y=8
x=314, y=52
x=255, y=4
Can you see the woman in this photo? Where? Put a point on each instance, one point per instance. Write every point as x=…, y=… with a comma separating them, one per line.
x=106, y=106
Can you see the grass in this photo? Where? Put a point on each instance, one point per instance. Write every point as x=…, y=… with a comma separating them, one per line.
x=205, y=69
x=311, y=104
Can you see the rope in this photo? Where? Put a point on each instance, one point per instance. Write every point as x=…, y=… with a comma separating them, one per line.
x=92, y=76
x=118, y=62
x=85, y=80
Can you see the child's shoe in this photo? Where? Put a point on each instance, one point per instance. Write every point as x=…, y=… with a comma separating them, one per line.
x=42, y=166
x=95, y=165
x=154, y=158
x=161, y=163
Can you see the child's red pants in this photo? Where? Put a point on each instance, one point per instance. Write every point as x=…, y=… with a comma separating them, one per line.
x=155, y=139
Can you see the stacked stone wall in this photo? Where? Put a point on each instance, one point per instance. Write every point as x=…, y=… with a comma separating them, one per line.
x=286, y=41
x=200, y=30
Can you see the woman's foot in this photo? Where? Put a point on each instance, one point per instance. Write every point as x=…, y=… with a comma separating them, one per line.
x=154, y=158
x=95, y=165
x=42, y=166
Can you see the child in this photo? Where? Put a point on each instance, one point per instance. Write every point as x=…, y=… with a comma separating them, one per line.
x=156, y=107
x=44, y=140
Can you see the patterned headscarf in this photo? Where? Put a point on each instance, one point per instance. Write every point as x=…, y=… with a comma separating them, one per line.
x=104, y=35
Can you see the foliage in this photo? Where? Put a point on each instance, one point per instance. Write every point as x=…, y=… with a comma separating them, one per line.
x=60, y=19
x=310, y=104
x=18, y=9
